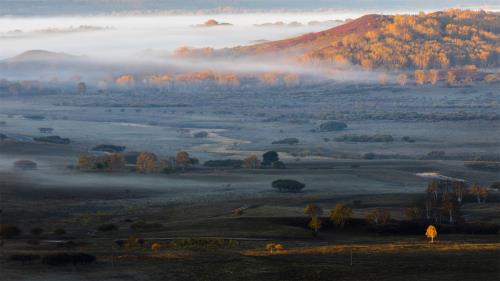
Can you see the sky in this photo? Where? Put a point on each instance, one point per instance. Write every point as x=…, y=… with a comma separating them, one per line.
x=92, y=7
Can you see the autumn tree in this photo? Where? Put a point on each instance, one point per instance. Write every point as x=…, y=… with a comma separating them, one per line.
x=431, y=233
x=433, y=76
x=402, y=79
x=480, y=192
x=146, y=162
x=314, y=212
x=451, y=78
x=155, y=247
x=378, y=216
x=182, y=159
x=82, y=88
x=315, y=224
x=251, y=162
x=420, y=77
x=340, y=214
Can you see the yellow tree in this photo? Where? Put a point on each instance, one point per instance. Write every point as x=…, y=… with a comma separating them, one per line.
x=146, y=162
x=315, y=224
x=451, y=78
x=251, y=162
x=314, y=211
x=419, y=77
x=155, y=247
x=431, y=233
x=433, y=76
x=182, y=159
x=340, y=214
x=402, y=79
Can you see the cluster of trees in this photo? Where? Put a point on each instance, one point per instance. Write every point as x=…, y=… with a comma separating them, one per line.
x=221, y=79
x=146, y=162
x=339, y=215
x=440, y=40
x=443, y=201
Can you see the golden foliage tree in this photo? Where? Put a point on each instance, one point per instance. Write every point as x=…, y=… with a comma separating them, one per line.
x=420, y=77
x=251, y=162
x=182, y=159
x=378, y=216
x=340, y=214
x=402, y=79
x=431, y=232
x=146, y=162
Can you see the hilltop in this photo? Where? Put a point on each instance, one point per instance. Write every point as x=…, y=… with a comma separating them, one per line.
x=440, y=40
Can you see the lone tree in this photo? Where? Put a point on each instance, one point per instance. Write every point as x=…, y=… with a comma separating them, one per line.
x=431, y=233
x=269, y=158
x=340, y=214
x=146, y=162
x=288, y=185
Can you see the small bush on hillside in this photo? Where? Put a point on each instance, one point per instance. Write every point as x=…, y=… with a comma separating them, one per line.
x=287, y=185
x=9, y=231
x=107, y=227
x=68, y=258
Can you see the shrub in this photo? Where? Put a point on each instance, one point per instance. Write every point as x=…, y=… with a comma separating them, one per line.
x=36, y=231
x=364, y=138
x=107, y=227
x=287, y=185
x=110, y=148
x=227, y=163
x=120, y=243
x=53, y=139
x=9, y=231
x=68, y=258
x=200, y=135
x=59, y=231
x=289, y=141
x=142, y=225
x=332, y=126
x=25, y=165
x=24, y=258
x=279, y=165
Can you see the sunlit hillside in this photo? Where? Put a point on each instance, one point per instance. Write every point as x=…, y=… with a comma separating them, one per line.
x=437, y=40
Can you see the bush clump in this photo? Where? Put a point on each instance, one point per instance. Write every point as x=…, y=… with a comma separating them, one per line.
x=110, y=148
x=289, y=141
x=107, y=227
x=226, y=163
x=287, y=185
x=142, y=225
x=23, y=258
x=68, y=258
x=53, y=139
x=9, y=231
x=364, y=138
x=332, y=126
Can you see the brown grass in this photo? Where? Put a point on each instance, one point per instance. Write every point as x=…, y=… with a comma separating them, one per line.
x=379, y=248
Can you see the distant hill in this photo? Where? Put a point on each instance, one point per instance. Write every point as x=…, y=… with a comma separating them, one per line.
x=41, y=55
x=439, y=40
